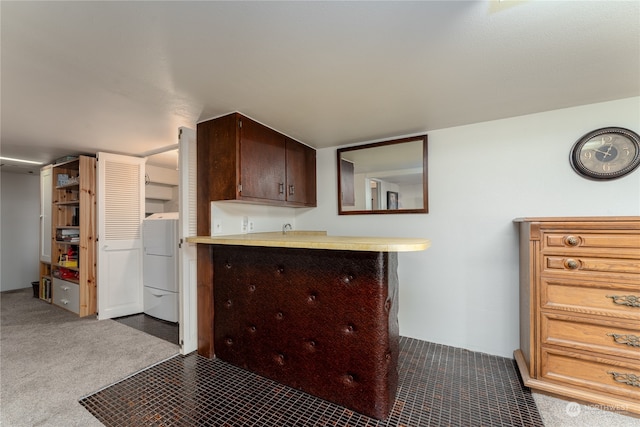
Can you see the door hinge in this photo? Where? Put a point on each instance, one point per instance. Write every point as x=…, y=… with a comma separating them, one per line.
x=181, y=242
x=179, y=133
x=240, y=123
x=239, y=188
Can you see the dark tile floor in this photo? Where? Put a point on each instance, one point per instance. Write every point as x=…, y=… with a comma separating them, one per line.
x=439, y=386
x=159, y=328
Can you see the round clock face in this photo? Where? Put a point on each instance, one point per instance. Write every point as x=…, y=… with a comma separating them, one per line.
x=606, y=153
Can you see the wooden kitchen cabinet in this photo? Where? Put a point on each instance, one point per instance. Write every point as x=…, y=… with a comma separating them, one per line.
x=580, y=309
x=240, y=159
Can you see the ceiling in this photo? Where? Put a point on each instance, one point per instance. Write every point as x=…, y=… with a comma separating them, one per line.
x=82, y=77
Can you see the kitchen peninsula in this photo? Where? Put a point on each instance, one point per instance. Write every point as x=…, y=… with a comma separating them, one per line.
x=312, y=311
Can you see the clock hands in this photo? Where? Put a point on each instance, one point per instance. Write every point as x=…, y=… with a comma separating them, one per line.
x=606, y=153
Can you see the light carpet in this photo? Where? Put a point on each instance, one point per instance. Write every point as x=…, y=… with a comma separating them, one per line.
x=50, y=358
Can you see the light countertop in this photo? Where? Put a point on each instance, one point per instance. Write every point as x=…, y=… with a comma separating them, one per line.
x=317, y=240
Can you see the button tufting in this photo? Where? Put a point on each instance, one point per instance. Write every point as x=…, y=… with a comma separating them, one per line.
x=252, y=328
x=279, y=315
x=252, y=288
x=349, y=328
x=280, y=269
x=227, y=265
x=228, y=303
x=349, y=379
x=228, y=341
x=279, y=359
x=310, y=345
x=311, y=298
x=347, y=278
x=387, y=305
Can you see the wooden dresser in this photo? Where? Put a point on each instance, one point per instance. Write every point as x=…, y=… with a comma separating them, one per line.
x=580, y=309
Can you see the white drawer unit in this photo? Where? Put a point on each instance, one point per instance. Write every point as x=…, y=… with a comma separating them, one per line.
x=66, y=295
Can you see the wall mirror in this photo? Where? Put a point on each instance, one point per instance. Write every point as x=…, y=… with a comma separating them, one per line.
x=387, y=177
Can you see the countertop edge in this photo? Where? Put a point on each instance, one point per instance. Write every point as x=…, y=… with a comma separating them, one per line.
x=302, y=241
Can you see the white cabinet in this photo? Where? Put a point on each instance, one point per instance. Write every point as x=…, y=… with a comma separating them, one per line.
x=45, y=214
x=66, y=295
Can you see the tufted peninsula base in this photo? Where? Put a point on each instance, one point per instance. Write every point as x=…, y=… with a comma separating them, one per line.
x=322, y=321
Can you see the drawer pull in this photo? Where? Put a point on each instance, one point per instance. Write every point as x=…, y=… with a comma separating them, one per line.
x=628, y=379
x=571, y=241
x=572, y=264
x=630, y=300
x=630, y=340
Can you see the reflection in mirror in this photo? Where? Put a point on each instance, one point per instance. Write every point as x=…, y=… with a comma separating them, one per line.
x=383, y=177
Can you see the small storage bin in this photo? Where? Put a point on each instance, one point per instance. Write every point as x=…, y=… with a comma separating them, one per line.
x=36, y=289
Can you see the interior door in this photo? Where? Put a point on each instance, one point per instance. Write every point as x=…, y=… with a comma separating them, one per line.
x=187, y=253
x=120, y=207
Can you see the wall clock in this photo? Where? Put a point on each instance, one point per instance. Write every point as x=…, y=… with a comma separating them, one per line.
x=606, y=153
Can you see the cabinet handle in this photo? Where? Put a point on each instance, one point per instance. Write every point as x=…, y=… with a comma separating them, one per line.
x=630, y=300
x=630, y=340
x=629, y=379
x=292, y=190
x=280, y=188
x=572, y=264
x=571, y=241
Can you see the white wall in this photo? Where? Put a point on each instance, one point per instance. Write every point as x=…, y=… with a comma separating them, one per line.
x=463, y=291
x=19, y=230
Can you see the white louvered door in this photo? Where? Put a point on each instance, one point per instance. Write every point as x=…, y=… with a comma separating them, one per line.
x=187, y=253
x=120, y=207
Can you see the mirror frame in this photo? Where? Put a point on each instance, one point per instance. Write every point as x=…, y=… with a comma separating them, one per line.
x=425, y=192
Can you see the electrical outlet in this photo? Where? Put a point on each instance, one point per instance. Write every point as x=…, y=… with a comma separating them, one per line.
x=217, y=226
x=244, y=226
x=251, y=226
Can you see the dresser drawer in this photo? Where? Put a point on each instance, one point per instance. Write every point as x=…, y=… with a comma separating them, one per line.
x=589, y=242
x=611, y=337
x=66, y=295
x=602, y=299
x=593, y=267
x=592, y=373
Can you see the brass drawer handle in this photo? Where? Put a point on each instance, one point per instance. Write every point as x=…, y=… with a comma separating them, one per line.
x=572, y=264
x=628, y=379
x=571, y=241
x=630, y=300
x=630, y=340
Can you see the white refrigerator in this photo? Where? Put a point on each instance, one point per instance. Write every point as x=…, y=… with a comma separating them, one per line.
x=160, y=266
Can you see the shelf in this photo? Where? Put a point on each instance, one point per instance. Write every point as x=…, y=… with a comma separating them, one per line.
x=67, y=186
x=73, y=202
x=68, y=268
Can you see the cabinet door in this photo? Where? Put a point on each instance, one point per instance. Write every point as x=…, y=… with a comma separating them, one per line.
x=301, y=173
x=262, y=162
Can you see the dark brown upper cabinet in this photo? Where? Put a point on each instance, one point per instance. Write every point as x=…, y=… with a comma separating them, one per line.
x=246, y=161
x=386, y=177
